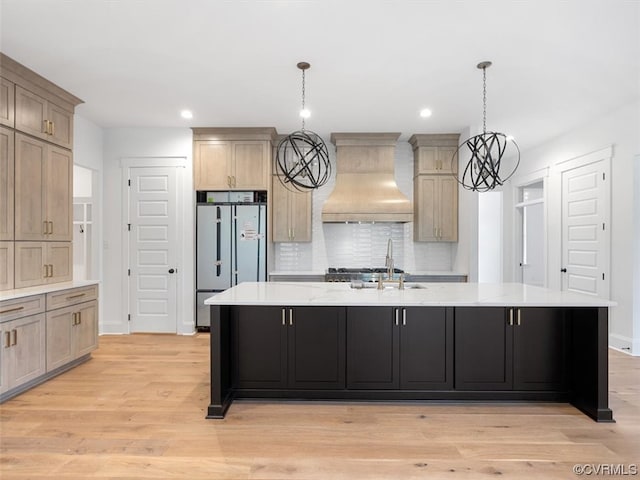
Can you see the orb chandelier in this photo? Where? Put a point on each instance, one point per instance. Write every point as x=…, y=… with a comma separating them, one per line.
x=302, y=158
x=488, y=167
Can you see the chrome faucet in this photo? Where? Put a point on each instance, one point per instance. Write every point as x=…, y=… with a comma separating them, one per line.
x=388, y=262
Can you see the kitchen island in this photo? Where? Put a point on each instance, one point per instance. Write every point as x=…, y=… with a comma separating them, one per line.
x=431, y=341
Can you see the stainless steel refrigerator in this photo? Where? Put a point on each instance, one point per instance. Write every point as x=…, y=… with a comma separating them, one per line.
x=230, y=246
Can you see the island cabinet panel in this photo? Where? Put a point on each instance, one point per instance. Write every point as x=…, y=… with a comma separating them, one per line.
x=408, y=348
x=289, y=347
x=505, y=348
x=372, y=348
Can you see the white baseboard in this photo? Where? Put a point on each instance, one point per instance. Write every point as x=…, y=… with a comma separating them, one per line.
x=624, y=344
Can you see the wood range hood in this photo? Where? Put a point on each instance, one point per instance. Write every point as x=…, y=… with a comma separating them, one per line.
x=365, y=188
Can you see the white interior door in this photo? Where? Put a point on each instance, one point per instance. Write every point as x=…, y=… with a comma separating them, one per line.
x=585, y=229
x=152, y=249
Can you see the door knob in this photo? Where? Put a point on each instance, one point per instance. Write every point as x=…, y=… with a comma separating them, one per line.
x=563, y=270
x=171, y=270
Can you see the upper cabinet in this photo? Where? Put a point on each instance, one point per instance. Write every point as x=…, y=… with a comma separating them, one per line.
x=43, y=190
x=292, y=218
x=42, y=118
x=435, y=188
x=36, y=186
x=435, y=153
x=6, y=183
x=232, y=158
x=7, y=102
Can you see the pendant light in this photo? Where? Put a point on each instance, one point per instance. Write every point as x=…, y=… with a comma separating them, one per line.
x=302, y=158
x=487, y=167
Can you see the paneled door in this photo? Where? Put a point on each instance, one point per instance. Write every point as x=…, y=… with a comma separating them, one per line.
x=585, y=229
x=153, y=238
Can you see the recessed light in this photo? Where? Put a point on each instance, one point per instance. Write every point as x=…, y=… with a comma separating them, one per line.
x=425, y=113
x=186, y=114
x=305, y=113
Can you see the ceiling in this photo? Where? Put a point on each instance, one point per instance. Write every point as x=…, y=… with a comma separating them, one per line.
x=374, y=64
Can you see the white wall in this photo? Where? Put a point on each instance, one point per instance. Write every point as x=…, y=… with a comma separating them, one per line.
x=88, y=150
x=619, y=128
x=121, y=143
x=490, y=237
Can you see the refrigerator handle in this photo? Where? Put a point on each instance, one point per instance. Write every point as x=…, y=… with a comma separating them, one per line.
x=218, y=238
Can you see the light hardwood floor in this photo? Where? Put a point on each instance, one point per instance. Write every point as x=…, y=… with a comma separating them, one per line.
x=136, y=410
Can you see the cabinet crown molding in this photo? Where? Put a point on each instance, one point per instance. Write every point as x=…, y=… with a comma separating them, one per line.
x=434, y=140
x=18, y=73
x=365, y=139
x=235, y=133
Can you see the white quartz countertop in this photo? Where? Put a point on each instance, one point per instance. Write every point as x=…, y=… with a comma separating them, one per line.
x=430, y=294
x=40, y=289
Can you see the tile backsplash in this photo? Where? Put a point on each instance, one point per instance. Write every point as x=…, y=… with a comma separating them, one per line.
x=364, y=245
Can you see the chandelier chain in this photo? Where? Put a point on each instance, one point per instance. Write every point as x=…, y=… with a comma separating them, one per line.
x=484, y=100
x=303, y=92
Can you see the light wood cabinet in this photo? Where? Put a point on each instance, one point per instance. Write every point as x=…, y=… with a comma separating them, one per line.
x=435, y=153
x=42, y=118
x=291, y=214
x=38, y=263
x=43, y=190
x=231, y=165
x=23, y=351
x=232, y=158
x=7, y=102
x=6, y=265
x=71, y=333
x=44, y=335
x=6, y=183
x=435, y=208
x=435, y=188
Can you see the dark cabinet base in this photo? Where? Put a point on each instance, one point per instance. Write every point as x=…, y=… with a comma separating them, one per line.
x=585, y=373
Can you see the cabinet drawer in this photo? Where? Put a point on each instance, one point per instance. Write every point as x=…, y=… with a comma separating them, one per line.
x=65, y=298
x=21, y=307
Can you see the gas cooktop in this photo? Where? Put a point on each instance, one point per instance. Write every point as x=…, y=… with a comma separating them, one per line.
x=342, y=274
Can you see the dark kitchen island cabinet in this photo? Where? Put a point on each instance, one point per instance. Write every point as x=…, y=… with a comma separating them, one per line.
x=288, y=347
x=506, y=348
x=455, y=342
x=407, y=348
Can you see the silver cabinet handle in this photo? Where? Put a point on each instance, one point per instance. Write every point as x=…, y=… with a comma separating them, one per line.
x=397, y=316
x=511, y=317
x=284, y=321
x=291, y=316
x=15, y=337
x=15, y=309
x=7, y=339
x=518, y=316
x=404, y=316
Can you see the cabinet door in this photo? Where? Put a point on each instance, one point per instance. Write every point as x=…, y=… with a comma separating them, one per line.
x=59, y=194
x=27, y=349
x=6, y=183
x=29, y=264
x=212, y=165
x=260, y=347
x=7, y=102
x=448, y=209
x=539, y=349
x=60, y=331
x=281, y=218
x=316, y=340
x=250, y=165
x=30, y=113
x=86, y=330
x=30, y=158
x=426, y=348
x=425, y=208
x=6, y=265
x=483, y=349
x=372, y=348
x=300, y=213
x=62, y=126
x=59, y=257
